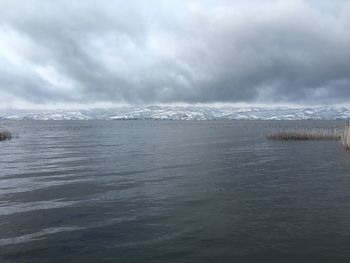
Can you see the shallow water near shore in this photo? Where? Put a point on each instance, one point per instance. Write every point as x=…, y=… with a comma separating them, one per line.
x=171, y=191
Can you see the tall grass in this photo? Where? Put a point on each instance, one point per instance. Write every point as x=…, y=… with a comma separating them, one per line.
x=297, y=134
x=5, y=135
x=339, y=134
x=346, y=137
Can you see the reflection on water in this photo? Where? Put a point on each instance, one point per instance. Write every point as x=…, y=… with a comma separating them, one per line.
x=154, y=191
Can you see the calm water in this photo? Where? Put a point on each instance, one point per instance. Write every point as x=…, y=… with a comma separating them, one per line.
x=154, y=191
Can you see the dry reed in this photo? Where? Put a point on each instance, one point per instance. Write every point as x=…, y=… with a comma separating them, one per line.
x=297, y=134
x=345, y=138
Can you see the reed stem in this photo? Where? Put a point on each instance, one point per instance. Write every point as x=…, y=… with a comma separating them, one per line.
x=5, y=135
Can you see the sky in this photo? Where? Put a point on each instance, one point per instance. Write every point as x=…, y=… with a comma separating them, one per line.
x=107, y=53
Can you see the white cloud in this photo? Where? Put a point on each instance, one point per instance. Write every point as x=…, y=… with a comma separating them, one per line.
x=86, y=52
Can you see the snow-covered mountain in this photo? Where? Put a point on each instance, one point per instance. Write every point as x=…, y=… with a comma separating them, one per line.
x=184, y=113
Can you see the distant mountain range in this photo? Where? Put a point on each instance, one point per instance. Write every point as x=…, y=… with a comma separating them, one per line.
x=184, y=113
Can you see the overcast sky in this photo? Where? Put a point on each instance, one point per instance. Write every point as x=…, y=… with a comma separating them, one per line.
x=149, y=52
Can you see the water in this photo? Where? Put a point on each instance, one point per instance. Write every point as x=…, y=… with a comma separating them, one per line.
x=154, y=191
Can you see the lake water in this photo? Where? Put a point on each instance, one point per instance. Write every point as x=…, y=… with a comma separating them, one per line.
x=171, y=191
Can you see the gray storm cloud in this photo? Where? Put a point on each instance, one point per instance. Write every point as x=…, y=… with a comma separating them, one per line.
x=289, y=51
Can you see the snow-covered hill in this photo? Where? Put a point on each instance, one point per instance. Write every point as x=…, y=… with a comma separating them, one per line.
x=184, y=113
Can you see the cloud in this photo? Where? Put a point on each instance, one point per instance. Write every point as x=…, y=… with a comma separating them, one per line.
x=86, y=52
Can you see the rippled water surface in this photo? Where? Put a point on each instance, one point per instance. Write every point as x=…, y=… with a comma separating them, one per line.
x=158, y=191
